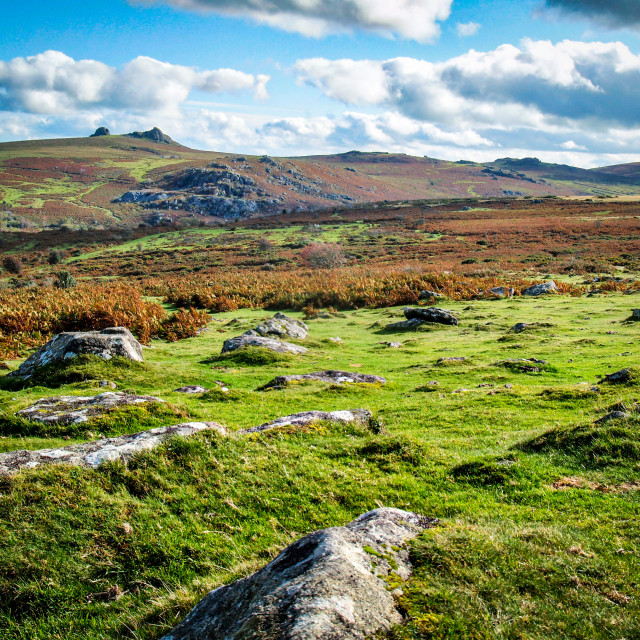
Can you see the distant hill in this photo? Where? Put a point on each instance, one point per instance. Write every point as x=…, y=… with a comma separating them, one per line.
x=105, y=180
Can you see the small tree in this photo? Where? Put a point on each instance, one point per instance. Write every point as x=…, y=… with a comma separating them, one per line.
x=64, y=280
x=12, y=265
x=323, y=255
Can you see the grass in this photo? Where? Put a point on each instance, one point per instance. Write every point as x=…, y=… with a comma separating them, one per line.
x=539, y=529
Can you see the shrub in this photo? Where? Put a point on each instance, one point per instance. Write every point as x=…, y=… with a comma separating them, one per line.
x=11, y=264
x=64, y=280
x=323, y=255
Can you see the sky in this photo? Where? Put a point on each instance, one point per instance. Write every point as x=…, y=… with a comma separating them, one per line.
x=450, y=79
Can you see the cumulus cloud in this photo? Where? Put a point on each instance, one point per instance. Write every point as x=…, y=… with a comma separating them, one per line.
x=612, y=13
x=537, y=84
x=413, y=19
x=54, y=83
x=466, y=29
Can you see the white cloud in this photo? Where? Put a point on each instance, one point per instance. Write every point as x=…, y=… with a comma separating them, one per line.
x=536, y=84
x=570, y=145
x=413, y=19
x=54, y=83
x=466, y=29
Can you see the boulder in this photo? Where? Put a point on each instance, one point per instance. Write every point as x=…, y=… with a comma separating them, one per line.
x=619, y=377
x=635, y=316
x=333, y=376
x=254, y=339
x=283, y=326
x=430, y=314
x=403, y=325
x=426, y=294
x=92, y=454
x=519, y=327
x=330, y=585
x=77, y=409
x=540, y=289
x=613, y=415
x=309, y=417
x=502, y=292
x=114, y=341
x=191, y=388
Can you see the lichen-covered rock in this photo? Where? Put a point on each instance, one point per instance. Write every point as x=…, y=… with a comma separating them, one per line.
x=333, y=584
x=331, y=375
x=502, y=292
x=540, y=289
x=310, y=417
x=426, y=294
x=283, y=326
x=77, y=409
x=254, y=339
x=93, y=454
x=110, y=342
x=619, y=377
x=430, y=314
x=404, y=325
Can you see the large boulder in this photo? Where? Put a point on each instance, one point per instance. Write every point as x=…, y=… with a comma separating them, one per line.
x=333, y=584
x=540, y=289
x=77, y=409
x=310, y=417
x=333, y=376
x=93, y=454
x=283, y=326
x=635, y=316
x=100, y=131
x=254, y=339
x=430, y=314
x=114, y=341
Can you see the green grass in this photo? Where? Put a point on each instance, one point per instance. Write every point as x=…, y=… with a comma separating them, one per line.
x=538, y=506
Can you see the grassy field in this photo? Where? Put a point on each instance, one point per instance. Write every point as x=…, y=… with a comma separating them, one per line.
x=538, y=507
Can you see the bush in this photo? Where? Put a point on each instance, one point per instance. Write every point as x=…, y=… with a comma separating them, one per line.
x=64, y=280
x=55, y=257
x=11, y=264
x=323, y=255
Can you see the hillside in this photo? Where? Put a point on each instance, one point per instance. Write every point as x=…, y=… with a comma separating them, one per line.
x=106, y=181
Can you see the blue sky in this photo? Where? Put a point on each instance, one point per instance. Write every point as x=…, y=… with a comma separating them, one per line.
x=557, y=79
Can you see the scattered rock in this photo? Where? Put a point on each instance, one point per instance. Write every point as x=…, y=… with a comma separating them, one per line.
x=191, y=388
x=613, y=415
x=619, y=377
x=540, y=289
x=114, y=341
x=76, y=409
x=333, y=584
x=502, y=292
x=426, y=294
x=430, y=314
x=281, y=325
x=336, y=377
x=309, y=417
x=254, y=339
x=92, y=454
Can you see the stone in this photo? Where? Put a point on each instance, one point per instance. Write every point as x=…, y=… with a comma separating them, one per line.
x=540, y=289
x=502, y=292
x=110, y=342
x=519, y=327
x=283, y=326
x=254, y=339
x=93, y=454
x=426, y=294
x=403, y=325
x=107, y=383
x=333, y=376
x=619, y=377
x=392, y=345
x=330, y=585
x=310, y=417
x=430, y=314
x=100, y=131
x=337, y=340
x=77, y=409
x=192, y=388
x=613, y=415
x=458, y=359
x=635, y=316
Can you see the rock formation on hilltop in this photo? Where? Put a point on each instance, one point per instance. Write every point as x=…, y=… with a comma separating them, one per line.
x=155, y=135
x=100, y=131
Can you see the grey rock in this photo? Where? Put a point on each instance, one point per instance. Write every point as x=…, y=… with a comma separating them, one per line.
x=309, y=417
x=93, y=454
x=77, y=409
x=403, y=325
x=619, y=377
x=100, y=131
x=192, y=388
x=519, y=327
x=331, y=375
x=502, y=292
x=430, y=314
x=426, y=294
x=455, y=359
x=540, y=289
x=613, y=415
x=142, y=196
x=283, y=326
x=110, y=342
x=635, y=316
x=107, y=383
x=330, y=585
x=254, y=339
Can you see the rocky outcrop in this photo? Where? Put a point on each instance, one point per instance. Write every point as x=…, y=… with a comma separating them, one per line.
x=100, y=131
x=254, y=339
x=283, y=326
x=332, y=376
x=77, y=409
x=333, y=584
x=114, y=341
x=93, y=454
x=540, y=289
x=155, y=135
x=310, y=417
x=142, y=196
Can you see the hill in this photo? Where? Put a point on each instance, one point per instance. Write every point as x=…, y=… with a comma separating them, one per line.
x=106, y=181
